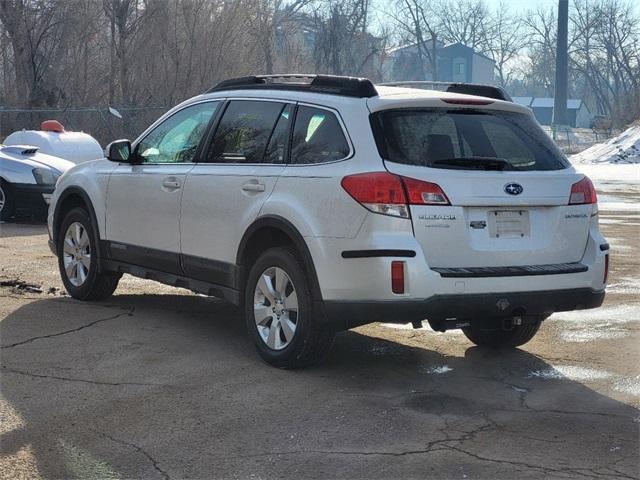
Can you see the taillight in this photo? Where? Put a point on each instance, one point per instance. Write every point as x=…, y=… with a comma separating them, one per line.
x=424, y=193
x=397, y=277
x=606, y=268
x=583, y=192
x=380, y=192
x=389, y=194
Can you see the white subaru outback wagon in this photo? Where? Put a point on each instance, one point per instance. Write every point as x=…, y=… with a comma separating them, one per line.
x=320, y=203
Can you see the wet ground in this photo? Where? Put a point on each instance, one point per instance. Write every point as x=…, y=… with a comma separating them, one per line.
x=159, y=383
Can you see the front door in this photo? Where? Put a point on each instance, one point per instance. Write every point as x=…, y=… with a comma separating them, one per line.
x=143, y=197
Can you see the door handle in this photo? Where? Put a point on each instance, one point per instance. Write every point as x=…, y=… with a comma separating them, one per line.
x=171, y=184
x=253, y=187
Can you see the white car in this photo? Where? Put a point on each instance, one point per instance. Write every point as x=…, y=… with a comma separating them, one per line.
x=27, y=180
x=322, y=203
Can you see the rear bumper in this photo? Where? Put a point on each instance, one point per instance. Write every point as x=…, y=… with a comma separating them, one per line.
x=454, y=311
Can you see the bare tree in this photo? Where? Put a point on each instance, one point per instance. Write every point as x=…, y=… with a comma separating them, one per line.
x=417, y=23
x=506, y=41
x=33, y=28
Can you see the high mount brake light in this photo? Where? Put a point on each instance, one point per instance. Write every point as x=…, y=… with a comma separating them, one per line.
x=389, y=194
x=583, y=193
x=464, y=101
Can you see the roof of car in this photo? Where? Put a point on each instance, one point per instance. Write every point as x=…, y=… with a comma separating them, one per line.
x=376, y=97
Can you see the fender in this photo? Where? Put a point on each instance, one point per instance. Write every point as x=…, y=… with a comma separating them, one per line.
x=75, y=190
x=284, y=225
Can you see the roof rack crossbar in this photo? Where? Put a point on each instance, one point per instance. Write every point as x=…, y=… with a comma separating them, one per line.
x=332, y=84
x=477, y=89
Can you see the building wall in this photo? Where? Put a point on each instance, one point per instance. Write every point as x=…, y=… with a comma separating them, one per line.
x=482, y=70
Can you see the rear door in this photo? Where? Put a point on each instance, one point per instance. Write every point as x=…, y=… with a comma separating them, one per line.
x=226, y=189
x=507, y=184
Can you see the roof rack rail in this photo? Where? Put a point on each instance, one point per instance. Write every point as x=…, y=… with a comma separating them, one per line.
x=331, y=84
x=477, y=89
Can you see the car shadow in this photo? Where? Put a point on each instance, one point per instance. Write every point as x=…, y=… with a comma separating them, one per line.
x=149, y=386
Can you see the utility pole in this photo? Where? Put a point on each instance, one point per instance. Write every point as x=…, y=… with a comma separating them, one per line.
x=560, y=117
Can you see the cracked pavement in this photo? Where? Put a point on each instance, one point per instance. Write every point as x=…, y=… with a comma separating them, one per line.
x=160, y=383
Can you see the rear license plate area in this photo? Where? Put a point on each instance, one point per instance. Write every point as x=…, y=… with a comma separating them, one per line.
x=508, y=223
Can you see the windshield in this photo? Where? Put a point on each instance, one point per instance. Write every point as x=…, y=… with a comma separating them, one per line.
x=465, y=139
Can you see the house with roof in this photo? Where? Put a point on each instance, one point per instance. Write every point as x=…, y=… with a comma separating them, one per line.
x=455, y=63
x=578, y=112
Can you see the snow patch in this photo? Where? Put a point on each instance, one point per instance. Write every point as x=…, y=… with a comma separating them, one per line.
x=591, y=334
x=630, y=386
x=438, y=370
x=605, y=316
x=425, y=328
x=570, y=372
x=628, y=285
x=625, y=148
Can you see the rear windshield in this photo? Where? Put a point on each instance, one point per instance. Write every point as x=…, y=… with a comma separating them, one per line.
x=465, y=139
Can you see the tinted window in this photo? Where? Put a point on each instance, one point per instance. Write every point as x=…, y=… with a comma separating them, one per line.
x=317, y=137
x=245, y=130
x=466, y=139
x=177, y=138
x=276, y=149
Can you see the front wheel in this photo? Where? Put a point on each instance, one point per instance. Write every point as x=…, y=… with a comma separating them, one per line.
x=6, y=200
x=78, y=259
x=500, y=338
x=279, y=314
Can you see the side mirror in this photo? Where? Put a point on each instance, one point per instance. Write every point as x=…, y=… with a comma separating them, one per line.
x=119, y=151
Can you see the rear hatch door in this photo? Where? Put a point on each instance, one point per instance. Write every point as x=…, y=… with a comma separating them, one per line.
x=507, y=184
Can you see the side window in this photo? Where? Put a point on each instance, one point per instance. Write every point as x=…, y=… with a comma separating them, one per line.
x=317, y=137
x=177, y=138
x=246, y=129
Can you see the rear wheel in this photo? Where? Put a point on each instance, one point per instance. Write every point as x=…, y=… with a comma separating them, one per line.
x=501, y=338
x=6, y=201
x=279, y=313
x=78, y=259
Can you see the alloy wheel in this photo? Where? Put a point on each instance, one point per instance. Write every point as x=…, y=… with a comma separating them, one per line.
x=76, y=254
x=275, y=308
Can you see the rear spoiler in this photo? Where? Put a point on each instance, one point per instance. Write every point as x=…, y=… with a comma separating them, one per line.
x=476, y=89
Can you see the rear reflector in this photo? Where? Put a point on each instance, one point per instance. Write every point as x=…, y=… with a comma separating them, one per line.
x=397, y=277
x=389, y=194
x=583, y=193
x=606, y=268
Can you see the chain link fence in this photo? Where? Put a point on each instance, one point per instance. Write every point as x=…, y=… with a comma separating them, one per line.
x=97, y=122
x=575, y=140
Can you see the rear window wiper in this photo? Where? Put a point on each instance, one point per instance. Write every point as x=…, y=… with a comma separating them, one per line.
x=472, y=163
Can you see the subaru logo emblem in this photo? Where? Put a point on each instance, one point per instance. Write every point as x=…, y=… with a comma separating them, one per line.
x=513, y=188
x=503, y=304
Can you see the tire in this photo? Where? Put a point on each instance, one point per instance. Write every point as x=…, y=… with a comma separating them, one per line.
x=93, y=285
x=499, y=338
x=7, y=206
x=272, y=315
